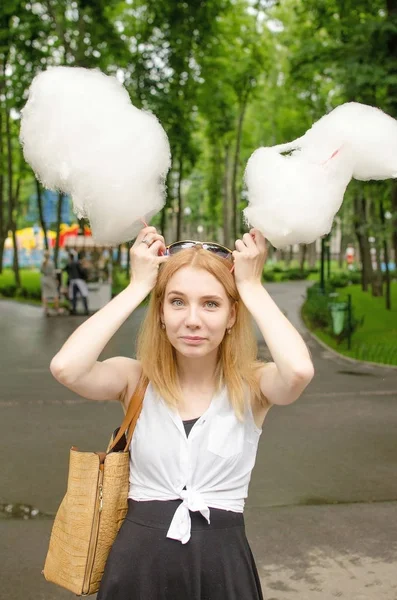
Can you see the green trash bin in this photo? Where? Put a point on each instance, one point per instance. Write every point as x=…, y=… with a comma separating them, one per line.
x=338, y=312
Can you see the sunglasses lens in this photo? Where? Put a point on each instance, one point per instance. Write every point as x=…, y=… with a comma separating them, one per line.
x=178, y=246
x=215, y=248
x=219, y=250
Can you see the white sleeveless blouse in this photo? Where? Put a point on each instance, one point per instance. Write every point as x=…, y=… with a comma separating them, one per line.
x=214, y=463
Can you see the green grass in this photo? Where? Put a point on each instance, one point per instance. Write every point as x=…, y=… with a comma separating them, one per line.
x=376, y=339
x=30, y=279
x=31, y=290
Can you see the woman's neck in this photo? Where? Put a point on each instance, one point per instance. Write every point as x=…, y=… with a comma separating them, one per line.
x=197, y=373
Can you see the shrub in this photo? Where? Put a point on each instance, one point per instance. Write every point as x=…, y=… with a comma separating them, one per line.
x=120, y=281
x=8, y=290
x=316, y=311
x=294, y=275
x=269, y=276
x=315, y=289
x=339, y=280
x=355, y=276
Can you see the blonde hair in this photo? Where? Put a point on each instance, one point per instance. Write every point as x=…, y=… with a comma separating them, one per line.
x=237, y=352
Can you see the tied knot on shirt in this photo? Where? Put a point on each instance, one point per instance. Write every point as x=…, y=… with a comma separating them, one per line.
x=180, y=527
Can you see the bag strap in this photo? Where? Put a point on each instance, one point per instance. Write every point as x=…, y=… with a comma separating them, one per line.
x=132, y=414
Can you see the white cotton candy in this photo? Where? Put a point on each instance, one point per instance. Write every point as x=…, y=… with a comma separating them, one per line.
x=294, y=198
x=81, y=135
x=291, y=200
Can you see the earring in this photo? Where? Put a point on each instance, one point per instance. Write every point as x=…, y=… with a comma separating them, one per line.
x=229, y=331
x=162, y=325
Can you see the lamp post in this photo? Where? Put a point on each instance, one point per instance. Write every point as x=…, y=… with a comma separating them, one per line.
x=322, y=286
x=328, y=249
x=325, y=256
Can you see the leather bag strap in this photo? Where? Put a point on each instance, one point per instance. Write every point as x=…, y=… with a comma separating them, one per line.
x=132, y=414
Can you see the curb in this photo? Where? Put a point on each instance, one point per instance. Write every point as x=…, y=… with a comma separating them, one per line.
x=354, y=361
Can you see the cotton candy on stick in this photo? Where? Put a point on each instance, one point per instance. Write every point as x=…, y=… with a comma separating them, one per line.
x=81, y=135
x=293, y=199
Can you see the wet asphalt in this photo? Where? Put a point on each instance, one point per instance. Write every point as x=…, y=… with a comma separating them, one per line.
x=322, y=510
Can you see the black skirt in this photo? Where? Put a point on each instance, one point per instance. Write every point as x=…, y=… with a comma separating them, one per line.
x=215, y=564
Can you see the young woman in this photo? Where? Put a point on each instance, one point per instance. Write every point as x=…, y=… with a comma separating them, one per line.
x=195, y=442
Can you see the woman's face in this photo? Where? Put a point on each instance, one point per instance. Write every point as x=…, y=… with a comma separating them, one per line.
x=196, y=312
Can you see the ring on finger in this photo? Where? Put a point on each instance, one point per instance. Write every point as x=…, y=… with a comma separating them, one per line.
x=145, y=241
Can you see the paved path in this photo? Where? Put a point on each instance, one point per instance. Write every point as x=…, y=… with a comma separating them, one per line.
x=322, y=511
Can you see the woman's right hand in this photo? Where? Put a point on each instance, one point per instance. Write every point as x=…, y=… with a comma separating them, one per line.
x=146, y=257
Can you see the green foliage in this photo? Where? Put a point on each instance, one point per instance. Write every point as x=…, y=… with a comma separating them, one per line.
x=374, y=338
x=316, y=308
x=120, y=280
x=30, y=285
x=278, y=273
x=30, y=280
x=269, y=276
x=317, y=314
x=204, y=66
x=294, y=275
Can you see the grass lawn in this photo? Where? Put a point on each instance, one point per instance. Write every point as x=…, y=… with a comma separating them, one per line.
x=30, y=281
x=376, y=339
x=30, y=278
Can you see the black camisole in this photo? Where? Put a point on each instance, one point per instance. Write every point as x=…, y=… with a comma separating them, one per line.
x=189, y=424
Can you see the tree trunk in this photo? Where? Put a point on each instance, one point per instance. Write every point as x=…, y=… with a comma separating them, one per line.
x=3, y=231
x=360, y=228
x=394, y=220
x=243, y=107
x=377, y=279
x=303, y=252
x=376, y=260
x=58, y=228
x=163, y=219
x=180, y=201
x=2, y=242
x=15, y=262
x=3, y=220
x=385, y=256
x=391, y=7
x=226, y=199
x=312, y=255
x=128, y=266
x=12, y=198
x=118, y=256
x=41, y=215
x=341, y=253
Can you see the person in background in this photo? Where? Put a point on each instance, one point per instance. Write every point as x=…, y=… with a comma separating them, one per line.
x=77, y=276
x=49, y=286
x=349, y=255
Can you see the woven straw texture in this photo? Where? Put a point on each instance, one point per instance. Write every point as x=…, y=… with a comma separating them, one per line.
x=67, y=557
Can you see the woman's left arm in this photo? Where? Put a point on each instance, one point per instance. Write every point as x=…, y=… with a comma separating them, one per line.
x=283, y=381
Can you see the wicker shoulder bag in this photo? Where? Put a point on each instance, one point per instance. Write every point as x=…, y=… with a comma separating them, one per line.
x=92, y=510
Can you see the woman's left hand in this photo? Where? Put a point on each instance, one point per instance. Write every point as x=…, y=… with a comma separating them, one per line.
x=249, y=258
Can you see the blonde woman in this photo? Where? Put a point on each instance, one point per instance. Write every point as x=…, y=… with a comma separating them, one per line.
x=195, y=442
x=49, y=285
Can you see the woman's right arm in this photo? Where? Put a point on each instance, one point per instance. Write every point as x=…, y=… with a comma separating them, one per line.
x=76, y=365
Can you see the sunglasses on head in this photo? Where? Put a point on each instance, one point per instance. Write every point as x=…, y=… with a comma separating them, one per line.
x=217, y=249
